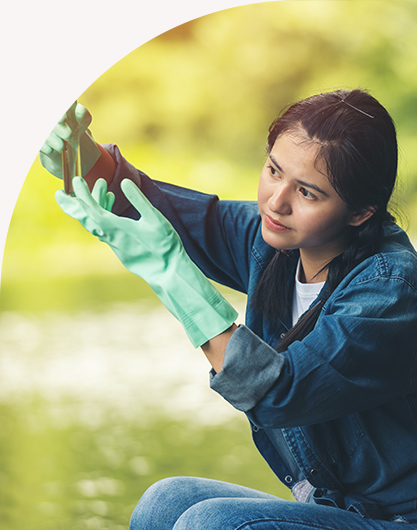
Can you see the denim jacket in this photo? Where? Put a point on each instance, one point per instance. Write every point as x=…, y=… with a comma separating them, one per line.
x=344, y=399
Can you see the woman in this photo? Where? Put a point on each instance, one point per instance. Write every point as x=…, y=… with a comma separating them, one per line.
x=325, y=367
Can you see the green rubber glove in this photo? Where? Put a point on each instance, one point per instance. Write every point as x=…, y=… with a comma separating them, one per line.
x=71, y=128
x=75, y=208
x=152, y=249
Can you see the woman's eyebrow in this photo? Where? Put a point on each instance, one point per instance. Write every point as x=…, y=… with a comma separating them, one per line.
x=302, y=182
x=312, y=186
x=276, y=163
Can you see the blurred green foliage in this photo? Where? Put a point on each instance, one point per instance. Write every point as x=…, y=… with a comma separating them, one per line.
x=192, y=107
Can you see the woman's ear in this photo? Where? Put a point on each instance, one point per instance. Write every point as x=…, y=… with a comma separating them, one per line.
x=359, y=217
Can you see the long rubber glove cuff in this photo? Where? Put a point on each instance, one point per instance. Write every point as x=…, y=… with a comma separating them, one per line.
x=152, y=249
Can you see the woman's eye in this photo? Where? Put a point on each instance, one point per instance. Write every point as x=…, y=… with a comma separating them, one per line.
x=307, y=194
x=273, y=171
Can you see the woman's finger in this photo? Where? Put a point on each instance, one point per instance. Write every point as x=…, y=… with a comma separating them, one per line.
x=110, y=198
x=82, y=191
x=99, y=192
x=134, y=195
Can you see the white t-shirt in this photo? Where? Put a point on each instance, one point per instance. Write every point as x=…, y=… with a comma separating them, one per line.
x=304, y=295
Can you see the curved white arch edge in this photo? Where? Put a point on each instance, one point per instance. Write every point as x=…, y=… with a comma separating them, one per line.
x=39, y=40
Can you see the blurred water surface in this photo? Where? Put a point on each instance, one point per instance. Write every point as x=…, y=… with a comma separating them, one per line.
x=96, y=406
x=130, y=358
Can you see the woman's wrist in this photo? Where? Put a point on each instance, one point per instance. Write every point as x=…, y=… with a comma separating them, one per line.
x=215, y=348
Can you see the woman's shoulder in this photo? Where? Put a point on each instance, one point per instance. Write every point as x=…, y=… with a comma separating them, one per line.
x=397, y=256
x=396, y=260
x=395, y=239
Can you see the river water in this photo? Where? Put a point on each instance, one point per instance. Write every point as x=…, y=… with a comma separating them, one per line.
x=95, y=406
x=129, y=357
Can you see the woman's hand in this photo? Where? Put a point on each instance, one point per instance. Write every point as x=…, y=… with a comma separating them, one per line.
x=152, y=249
x=143, y=245
x=72, y=129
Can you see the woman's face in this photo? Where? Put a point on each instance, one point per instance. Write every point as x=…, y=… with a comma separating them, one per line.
x=299, y=207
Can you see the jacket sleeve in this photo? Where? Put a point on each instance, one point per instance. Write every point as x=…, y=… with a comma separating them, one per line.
x=217, y=235
x=361, y=354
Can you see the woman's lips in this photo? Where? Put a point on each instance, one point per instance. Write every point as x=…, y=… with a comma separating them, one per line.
x=274, y=225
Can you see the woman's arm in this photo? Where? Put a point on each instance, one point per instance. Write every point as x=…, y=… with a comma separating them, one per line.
x=360, y=355
x=218, y=235
x=151, y=249
x=215, y=348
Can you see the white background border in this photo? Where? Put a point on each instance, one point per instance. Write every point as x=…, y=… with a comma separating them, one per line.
x=52, y=52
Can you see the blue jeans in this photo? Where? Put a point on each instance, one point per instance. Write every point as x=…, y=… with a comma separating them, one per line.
x=187, y=503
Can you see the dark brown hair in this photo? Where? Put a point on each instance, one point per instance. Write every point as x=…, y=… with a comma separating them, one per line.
x=357, y=143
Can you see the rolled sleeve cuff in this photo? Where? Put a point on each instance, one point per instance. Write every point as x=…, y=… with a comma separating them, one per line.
x=250, y=368
x=124, y=170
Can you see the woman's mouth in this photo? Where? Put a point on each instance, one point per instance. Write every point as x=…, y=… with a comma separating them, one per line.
x=275, y=225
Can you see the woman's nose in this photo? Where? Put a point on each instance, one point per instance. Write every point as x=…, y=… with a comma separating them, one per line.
x=280, y=200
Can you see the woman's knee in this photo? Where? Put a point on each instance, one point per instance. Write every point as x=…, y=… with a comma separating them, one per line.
x=201, y=515
x=227, y=514
x=163, y=503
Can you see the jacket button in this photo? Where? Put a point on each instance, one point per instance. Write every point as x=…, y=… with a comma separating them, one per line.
x=288, y=479
x=282, y=335
x=314, y=471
